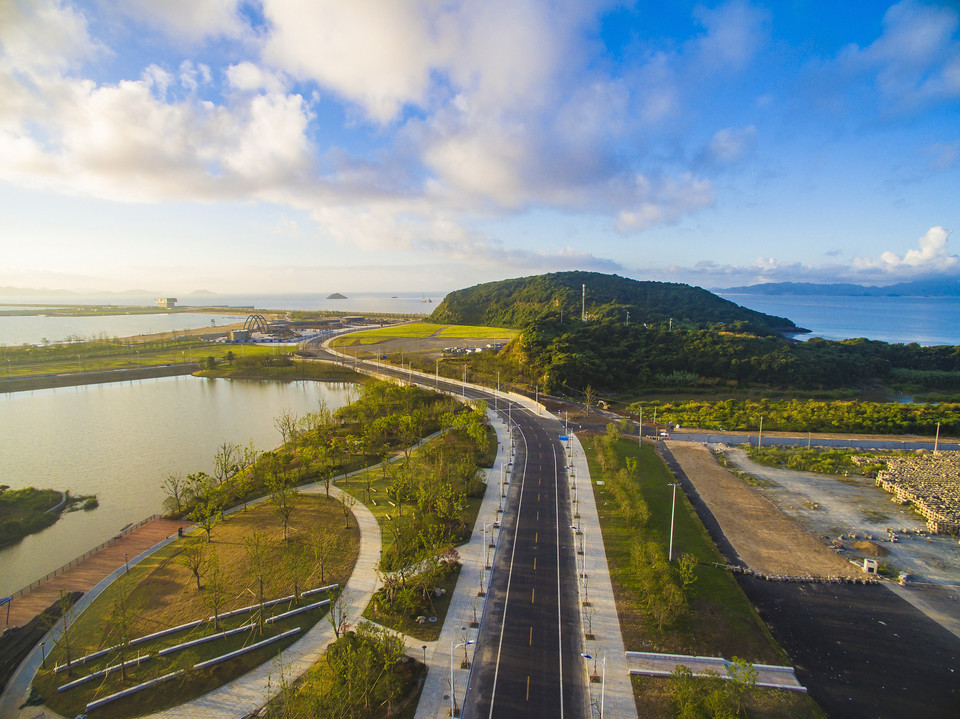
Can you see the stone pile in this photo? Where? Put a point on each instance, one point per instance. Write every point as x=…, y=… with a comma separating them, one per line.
x=931, y=483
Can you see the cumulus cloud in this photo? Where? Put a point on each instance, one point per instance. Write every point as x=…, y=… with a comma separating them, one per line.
x=930, y=259
x=916, y=60
x=735, y=33
x=186, y=20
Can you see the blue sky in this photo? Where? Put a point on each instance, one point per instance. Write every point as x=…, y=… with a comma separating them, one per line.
x=321, y=145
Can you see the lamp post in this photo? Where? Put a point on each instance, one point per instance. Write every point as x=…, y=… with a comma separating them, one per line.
x=496, y=396
x=43, y=655
x=486, y=544
x=583, y=547
x=464, y=381
x=125, y=563
x=603, y=677
x=424, y=647
x=436, y=375
x=673, y=512
x=453, y=699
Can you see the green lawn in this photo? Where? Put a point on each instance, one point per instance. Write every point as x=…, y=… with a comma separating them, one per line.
x=161, y=592
x=720, y=622
x=422, y=330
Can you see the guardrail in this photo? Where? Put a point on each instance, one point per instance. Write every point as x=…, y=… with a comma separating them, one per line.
x=74, y=562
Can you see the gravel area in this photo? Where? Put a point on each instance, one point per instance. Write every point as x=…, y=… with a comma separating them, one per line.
x=833, y=506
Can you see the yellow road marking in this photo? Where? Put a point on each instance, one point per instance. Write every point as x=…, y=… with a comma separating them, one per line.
x=534, y=564
x=531, y=636
x=536, y=536
x=538, y=515
x=533, y=591
x=528, y=687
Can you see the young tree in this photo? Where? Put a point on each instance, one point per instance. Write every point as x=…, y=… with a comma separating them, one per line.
x=207, y=514
x=296, y=561
x=258, y=552
x=686, y=568
x=324, y=545
x=118, y=624
x=226, y=461
x=347, y=503
x=214, y=596
x=284, y=498
x=286, y=424
x=193, y=556
x=176, y=489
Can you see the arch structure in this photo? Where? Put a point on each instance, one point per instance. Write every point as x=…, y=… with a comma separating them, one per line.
x=256, y=323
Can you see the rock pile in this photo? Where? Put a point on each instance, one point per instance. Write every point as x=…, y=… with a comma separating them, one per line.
x=931, y=483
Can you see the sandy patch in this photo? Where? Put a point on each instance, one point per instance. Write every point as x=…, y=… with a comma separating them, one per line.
x=765, y=538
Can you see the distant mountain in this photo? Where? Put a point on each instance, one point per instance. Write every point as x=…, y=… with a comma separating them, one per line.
x=919, y=288
x=202, y=293
x=336, y=296
x=30, y=291
x=522, y=301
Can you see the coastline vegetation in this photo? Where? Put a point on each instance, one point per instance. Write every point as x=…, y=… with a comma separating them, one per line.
x=797, y=415
x=838, y=462
x=29, y=510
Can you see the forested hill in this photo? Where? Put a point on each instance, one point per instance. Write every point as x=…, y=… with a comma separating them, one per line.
x=519, y=302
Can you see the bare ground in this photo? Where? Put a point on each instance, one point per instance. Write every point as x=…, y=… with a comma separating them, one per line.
x=764, y=537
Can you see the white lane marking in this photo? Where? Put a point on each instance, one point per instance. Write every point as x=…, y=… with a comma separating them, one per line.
x=513, y=553
x=556, y=485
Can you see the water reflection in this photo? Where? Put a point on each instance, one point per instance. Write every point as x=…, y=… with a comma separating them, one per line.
x=118, y=440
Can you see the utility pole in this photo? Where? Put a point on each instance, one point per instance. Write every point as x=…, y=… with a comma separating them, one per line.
x=673, y=513
x=760, y=436
x=583, y=304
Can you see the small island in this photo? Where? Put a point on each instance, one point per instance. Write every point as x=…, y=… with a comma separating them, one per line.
x=29, y=510
x=336, y=296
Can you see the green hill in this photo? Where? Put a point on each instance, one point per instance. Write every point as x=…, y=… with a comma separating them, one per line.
x=522, y=301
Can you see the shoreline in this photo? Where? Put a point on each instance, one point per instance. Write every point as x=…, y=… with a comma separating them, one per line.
x=76, y=379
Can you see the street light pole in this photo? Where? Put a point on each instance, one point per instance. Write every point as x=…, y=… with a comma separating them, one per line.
x=673, y=513
x=453, y=699
x=603, y=677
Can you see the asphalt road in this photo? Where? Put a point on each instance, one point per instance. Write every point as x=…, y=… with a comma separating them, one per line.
x=527, y=659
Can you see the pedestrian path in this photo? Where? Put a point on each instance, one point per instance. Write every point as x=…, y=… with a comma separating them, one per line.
x=249, y=692
x=600, y=620
x=465, y=604
x=662, y=665
x=85, y=575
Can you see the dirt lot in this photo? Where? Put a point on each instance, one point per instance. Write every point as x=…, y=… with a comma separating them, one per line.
x=765, y=539
x=832, y=506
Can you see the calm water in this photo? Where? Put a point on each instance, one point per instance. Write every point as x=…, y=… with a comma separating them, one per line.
x=118, y=440
x=359, y=302
x=33, y=330
x=925, y=320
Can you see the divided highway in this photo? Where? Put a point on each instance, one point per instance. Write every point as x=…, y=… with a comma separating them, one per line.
x=527, y=660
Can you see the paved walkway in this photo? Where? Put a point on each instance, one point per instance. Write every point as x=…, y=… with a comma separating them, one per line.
x=465, y=604
x=601, y=614
x=87, y=574
x=662, y=665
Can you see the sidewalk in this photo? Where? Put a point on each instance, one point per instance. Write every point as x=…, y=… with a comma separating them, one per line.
x=601, y=614
x=662, y=665
x=435, y=697
x=84, y=576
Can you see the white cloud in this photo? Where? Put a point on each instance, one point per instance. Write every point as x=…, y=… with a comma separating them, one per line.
x=730, y=145
x=664, y=202
x=248, y=77
x=42, y=36
x=916, y=59
x=735, y=33
x=186, y=20
x=930, y=257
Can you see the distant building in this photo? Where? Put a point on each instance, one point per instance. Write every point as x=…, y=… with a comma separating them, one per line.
x=167, y=302
x=239, y=335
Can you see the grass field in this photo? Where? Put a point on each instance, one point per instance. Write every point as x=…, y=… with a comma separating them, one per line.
x=161, y=592
x=423, y=330
x=720, y=622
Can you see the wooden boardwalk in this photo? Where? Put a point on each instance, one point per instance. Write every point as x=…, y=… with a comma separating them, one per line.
x=88, y=573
